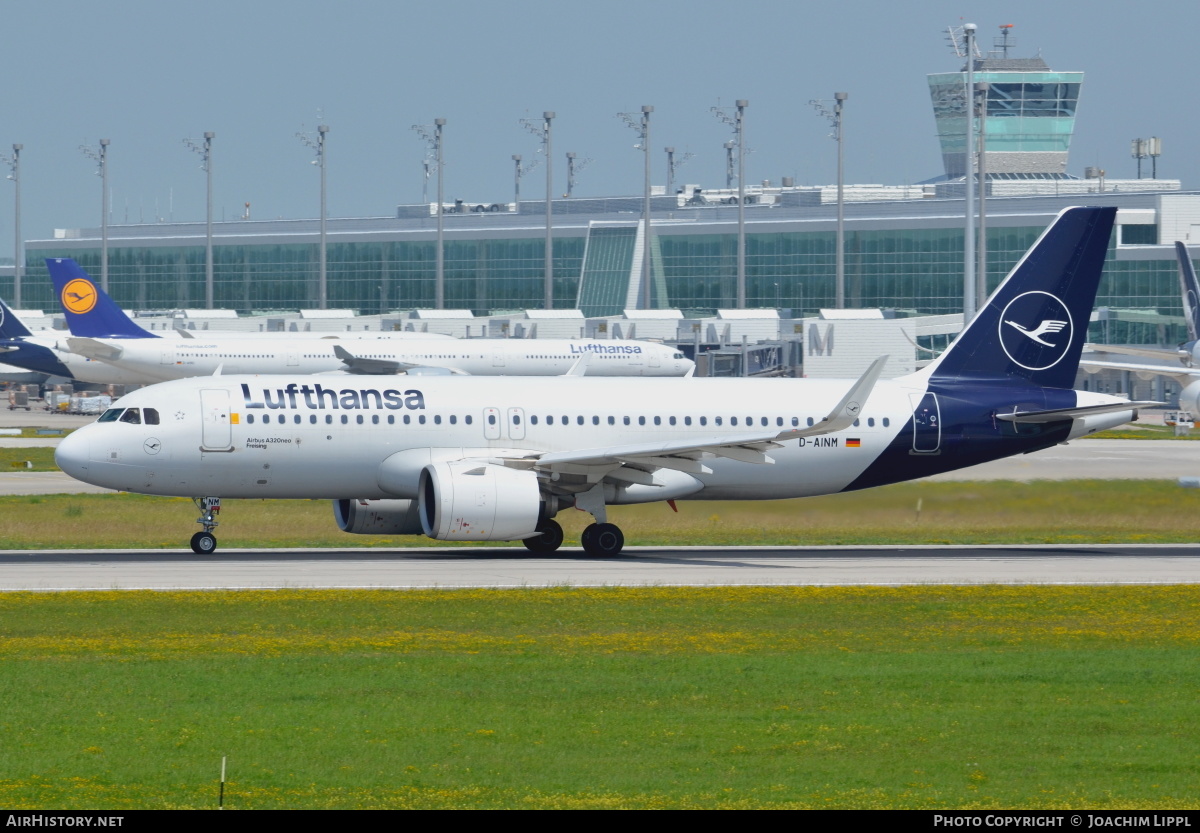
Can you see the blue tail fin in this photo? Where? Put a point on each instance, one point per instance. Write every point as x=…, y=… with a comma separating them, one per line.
x=1190, y=289
x=1034, y=325
x=10, y=325
x=90, y=312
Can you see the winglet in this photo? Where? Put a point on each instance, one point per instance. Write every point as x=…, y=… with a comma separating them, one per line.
x=90, y=312
x=845, y=412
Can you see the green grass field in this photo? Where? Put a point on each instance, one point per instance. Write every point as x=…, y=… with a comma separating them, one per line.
x=919, y=697
x=1136, y=511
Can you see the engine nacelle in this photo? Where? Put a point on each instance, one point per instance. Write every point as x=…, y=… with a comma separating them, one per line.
x=1189, y=398
x=471, y=501
x=377, y=517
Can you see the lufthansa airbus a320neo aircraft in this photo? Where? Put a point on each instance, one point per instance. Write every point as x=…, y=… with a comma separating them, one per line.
x=486, y=459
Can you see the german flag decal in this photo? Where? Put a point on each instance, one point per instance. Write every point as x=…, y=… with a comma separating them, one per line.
x=853, y=442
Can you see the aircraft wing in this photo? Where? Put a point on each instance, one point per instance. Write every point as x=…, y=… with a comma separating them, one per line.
x=685, y=454
x=92, y=348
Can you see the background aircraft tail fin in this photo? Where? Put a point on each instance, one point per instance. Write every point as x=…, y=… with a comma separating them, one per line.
x=1034, y=325
x=90, y=312
x=10, y=325
x=1191, y=290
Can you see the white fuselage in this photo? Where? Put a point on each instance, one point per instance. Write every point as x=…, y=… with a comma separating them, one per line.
x=156, y=360
x=370, y=437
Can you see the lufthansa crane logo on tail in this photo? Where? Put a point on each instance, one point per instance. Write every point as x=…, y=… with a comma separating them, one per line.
x=1036, y=330
x=79, y=296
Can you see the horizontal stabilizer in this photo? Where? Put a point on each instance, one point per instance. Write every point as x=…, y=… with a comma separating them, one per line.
x=91, y=348
x=1059, y=414
x=1183, y=374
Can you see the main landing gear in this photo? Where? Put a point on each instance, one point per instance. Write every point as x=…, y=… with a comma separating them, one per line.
x=600, y=539
x=204, y=542
x=549, y=539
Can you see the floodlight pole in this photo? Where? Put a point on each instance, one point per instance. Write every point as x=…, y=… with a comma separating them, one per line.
x=205, y=152
x=14, y=163
x=548, y=286
x=741, y=142
x=101, y=159
x=322, y=285
x=969, y=180
x=642, y=126
x=835, y=120
x=319, y=161
x=840, y=101
x=439, y=301
x=982, y=88
x=646, y=248
x=738, y=121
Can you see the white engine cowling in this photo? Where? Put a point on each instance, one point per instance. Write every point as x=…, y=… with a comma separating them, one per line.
x=472, y=501
x=377, y=517
x=1189, y=398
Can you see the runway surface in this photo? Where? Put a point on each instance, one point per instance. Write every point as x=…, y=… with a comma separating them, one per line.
x=638, y=566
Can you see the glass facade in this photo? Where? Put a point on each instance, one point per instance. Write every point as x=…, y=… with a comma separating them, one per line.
x=374, y=277
x=904, y=268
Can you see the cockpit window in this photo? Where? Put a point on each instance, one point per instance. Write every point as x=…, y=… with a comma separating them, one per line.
x=132, y=415
x=111, y=415
x=150, y=416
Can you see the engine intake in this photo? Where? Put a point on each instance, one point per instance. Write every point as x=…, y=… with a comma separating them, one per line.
x=472, y=501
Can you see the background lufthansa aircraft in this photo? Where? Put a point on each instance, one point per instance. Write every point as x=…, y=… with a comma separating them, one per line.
x=102, y=331
x=477, y=459
x=1187, y=354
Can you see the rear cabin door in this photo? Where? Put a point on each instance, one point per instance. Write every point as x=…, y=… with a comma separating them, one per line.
x=927, y=423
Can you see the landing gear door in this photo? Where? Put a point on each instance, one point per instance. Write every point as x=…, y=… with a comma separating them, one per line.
x=217, y=433
x=927, y=423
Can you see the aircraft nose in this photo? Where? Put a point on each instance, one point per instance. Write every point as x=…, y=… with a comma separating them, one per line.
x=73, y=455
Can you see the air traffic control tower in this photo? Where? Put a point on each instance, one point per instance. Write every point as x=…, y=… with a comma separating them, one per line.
x=1030, y=113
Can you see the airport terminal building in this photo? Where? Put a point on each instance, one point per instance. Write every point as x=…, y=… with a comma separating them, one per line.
x=904, y=254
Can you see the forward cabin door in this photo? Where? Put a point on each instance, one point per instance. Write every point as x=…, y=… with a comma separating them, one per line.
x=217, y=432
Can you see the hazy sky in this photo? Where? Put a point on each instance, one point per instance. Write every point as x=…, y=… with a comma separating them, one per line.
x=149, y=74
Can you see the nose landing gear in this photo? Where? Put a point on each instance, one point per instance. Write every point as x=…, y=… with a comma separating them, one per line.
x=204, y=542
